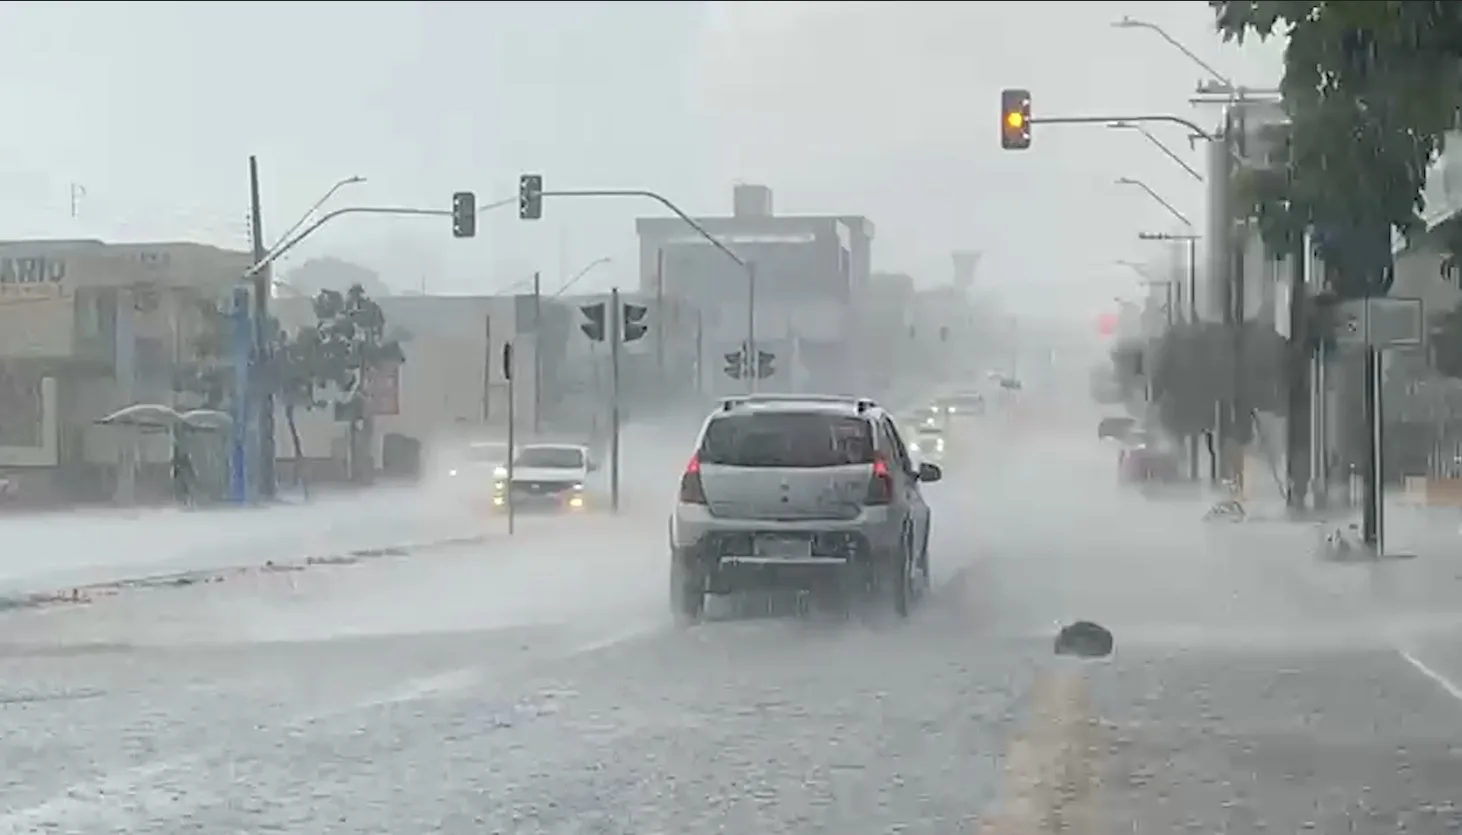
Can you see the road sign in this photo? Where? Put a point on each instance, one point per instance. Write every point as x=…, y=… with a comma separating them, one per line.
x=1395, y=323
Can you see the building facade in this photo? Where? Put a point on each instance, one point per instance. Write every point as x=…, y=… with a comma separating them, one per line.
x=86, y=328
x=803, y=307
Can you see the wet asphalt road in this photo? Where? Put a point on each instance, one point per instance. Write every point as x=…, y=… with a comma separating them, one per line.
x=538, y=686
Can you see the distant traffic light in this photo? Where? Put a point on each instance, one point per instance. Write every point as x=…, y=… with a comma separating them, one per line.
x=735, y=361
x=530, y=196
x=1107, y=324
x=594, y=326
x=764, y=368
x=464, y=214
x=1015, y=119
x=634, y=321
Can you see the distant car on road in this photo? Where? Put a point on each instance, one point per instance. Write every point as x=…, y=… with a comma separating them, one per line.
x=928, y=442
x=479, y=461
x=961, y=404
x=1146, y=457
x=549, y=477
x=800, y=491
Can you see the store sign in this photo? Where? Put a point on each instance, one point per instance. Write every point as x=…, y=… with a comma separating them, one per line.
x=35, y=277
x=383, y=389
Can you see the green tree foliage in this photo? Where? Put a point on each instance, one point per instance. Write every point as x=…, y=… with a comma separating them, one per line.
x=1193, y=373
x=339, y=351
x=1370, y=88
x=1128, y=367
x=1446, y=342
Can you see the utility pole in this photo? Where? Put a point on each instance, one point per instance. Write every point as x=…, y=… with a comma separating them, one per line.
x=537, y=354
x=262, y=291
x=1297, y=382
x=615, y=314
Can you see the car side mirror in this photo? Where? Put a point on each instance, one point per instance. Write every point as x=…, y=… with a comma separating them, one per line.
x=592, y=467
x=930, y=472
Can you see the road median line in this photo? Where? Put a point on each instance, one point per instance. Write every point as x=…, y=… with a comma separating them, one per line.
x=1049, y=780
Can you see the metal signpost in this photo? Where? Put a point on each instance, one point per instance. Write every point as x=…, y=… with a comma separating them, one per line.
x=512, y=449
x=1377, y=324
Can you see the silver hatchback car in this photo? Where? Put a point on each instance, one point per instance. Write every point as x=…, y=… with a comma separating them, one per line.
x=797, y=491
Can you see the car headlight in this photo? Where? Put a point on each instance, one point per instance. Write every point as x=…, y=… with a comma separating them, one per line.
x=913, y=447
x=951, y=410
x=578, y=487
x=451, y=472
x=939, y=445
x=498, y=485
x=499, y=472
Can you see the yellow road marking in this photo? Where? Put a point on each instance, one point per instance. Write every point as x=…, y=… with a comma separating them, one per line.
x=1049, y=775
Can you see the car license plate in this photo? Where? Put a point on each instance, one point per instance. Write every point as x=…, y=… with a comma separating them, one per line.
x=783, y=547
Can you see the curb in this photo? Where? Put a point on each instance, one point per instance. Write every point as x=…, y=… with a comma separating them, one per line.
x=84, y=593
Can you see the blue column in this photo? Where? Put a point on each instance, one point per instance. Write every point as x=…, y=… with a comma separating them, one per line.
x=242, y=346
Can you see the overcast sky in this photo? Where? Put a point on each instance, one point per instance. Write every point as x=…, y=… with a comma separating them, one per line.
x=885, y=109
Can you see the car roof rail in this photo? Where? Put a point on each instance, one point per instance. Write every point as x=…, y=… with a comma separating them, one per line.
x=863, y=404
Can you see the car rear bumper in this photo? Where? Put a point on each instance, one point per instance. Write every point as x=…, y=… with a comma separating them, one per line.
x=729, y=574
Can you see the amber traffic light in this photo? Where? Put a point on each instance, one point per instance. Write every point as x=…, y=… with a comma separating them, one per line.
x=1015, y=119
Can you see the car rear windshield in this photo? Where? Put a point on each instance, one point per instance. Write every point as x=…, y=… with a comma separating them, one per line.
x=552, y=457
x=787, y=439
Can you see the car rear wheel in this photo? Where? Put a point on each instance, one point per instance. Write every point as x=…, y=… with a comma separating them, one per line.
x=687, y=591
x=897, y=580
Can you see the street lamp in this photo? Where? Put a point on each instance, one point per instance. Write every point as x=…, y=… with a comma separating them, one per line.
x=580, y=274
x=1128, y=181
x=282, y=239
x=1132, y=23
x=1161, y=146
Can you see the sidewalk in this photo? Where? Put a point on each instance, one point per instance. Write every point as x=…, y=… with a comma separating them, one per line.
x=45, y=553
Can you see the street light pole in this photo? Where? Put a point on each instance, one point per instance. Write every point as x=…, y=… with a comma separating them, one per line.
x=1182, y=218
x=1161, y=146
x=1133, y=23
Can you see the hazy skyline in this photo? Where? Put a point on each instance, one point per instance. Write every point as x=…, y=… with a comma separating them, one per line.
x=887, y=110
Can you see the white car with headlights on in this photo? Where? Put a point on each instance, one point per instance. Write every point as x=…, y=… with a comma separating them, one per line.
x=928, y=442
x=545, y=477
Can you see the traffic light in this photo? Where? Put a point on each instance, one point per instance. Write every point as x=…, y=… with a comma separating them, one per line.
x=464, y=214
x=1015, y=119
x=594, y=326
x=634, y=321
x=764, y=367
x=733, y=365
x=530, y=196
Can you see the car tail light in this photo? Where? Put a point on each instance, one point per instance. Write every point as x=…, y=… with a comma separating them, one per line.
x=880, y=487
x=691, y=489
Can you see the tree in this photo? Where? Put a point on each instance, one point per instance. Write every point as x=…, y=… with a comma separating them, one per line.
x=1193, y=373
x=1446, y=342
x=1370, y=89
x=345, y=345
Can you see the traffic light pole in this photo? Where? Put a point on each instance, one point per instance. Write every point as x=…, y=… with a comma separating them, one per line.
x=616, y=319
